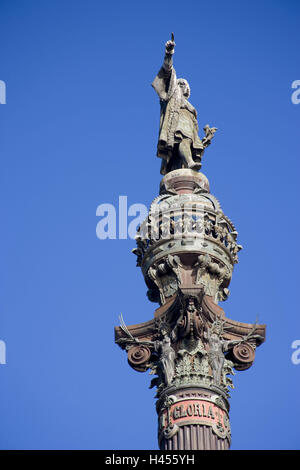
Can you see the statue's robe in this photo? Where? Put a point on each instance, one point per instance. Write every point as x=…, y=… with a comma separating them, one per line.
x=178, y=118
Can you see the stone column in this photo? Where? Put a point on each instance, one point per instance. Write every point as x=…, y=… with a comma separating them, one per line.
x=187, y=248
x=193, y=418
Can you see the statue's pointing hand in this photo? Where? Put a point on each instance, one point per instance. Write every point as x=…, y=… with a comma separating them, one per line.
x=170, y=45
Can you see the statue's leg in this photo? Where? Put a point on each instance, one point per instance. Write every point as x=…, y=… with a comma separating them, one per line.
x=163, y=167
x=185, y=152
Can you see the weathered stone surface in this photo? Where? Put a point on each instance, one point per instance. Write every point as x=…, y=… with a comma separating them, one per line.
x=190, y=343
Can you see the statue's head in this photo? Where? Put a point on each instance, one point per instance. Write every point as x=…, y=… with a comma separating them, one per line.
x=186, y=91
x=217, y=327
x=164, y=329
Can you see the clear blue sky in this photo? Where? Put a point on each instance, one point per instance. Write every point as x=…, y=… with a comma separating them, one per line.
x=79, y=129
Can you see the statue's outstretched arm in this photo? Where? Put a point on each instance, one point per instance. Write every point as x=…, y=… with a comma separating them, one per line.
x=169, y=51
x=162, y=79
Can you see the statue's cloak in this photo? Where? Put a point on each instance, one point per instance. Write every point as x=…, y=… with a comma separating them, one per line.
x=178, y=118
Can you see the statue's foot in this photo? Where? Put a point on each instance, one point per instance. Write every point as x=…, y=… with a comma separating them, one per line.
x=194, y=165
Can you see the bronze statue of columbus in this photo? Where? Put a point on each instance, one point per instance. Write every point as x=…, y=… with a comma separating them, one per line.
x=179, y=145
